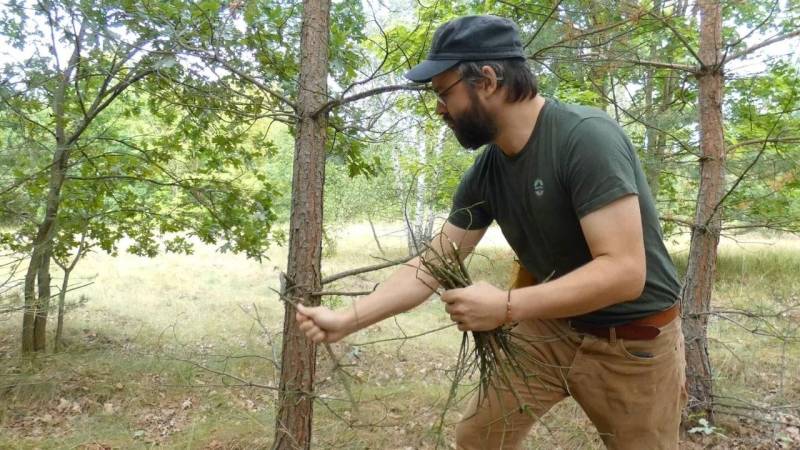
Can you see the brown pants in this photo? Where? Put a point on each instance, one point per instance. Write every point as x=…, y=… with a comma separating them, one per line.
x=633, y=391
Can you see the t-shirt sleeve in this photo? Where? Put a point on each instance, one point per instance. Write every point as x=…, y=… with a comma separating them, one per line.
x=469, y=211
x=599, y=165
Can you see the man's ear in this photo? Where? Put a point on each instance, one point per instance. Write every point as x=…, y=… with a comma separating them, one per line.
x=489, y=81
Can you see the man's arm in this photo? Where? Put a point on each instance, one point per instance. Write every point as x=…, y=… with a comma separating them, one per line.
x=404, y=289
x=616, y=274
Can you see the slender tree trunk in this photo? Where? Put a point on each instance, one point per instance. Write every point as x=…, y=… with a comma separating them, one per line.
x=31, y=301
x=438, y=149
x=375, y=235
x=599, y=73
x=295, y=402
x=656, y=139
x=425, y=214
x=62, y=296
x=652, y=167
x=706, y=232
x=416, y=233
x=403, y=190
x=40, y=321
x=34, y=318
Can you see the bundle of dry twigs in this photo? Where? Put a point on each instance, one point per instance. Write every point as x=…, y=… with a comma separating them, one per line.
x=497, y=358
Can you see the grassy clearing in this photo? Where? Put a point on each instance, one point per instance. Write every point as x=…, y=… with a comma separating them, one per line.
x=144, y=357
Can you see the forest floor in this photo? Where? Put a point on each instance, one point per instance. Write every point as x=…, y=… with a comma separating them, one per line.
x=180, y=351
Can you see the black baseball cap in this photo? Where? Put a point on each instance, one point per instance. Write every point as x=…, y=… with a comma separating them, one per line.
x=469, y=38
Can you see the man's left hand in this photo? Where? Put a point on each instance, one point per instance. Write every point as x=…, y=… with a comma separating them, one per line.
x=480, y=307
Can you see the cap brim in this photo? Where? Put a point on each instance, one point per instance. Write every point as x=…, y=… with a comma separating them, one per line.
x=424, y=71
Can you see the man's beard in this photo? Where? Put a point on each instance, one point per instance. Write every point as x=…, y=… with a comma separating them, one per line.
x=474, y=127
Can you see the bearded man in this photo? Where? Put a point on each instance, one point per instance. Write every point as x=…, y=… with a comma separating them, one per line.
x=564, y=184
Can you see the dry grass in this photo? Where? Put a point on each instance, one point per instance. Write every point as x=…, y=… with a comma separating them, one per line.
x=124, y=382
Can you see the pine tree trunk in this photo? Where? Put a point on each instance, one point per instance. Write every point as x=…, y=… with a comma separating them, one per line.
x=708, y=218
x=298, y=360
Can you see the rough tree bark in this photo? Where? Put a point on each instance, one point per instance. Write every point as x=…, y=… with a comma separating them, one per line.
x=296, y=397
x=708, y=217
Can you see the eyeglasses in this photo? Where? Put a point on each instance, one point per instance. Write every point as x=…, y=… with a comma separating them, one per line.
x=440, y=94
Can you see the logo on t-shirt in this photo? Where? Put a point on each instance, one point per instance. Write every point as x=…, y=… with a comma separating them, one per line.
x=538, y=187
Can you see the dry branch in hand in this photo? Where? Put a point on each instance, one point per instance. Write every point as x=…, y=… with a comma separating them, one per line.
x=360, y=270
x=496, y=357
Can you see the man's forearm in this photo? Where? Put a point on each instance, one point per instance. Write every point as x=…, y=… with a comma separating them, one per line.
x=598, y=284
x=404, y=289
x=616, y=273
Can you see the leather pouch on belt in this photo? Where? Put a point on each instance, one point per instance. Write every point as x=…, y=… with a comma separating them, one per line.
x=521, y=277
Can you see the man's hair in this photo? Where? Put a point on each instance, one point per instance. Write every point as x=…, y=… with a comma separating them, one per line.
x=512, y=73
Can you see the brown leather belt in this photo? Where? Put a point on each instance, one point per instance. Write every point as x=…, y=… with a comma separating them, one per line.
x=642, y=329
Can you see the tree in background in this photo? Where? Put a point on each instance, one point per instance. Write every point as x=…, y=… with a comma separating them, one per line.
x=113, y=136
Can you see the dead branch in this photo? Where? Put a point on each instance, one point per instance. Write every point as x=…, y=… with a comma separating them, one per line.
x=343, y=293
x=761, y=24
x=404, y=337
x=268, y=333
x=244, y=382
x=766, y=43
x=767, y=140
x=368, y=93
x=349, y=273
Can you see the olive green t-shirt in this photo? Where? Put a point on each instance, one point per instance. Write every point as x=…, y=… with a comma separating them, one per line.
x=577, y=160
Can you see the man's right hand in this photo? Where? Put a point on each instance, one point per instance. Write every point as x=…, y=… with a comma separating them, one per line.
x=321, y=324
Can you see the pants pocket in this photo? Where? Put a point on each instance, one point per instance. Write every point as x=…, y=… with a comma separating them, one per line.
x=663, y=346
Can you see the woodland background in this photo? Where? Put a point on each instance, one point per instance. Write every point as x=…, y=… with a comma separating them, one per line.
x=171, y=170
